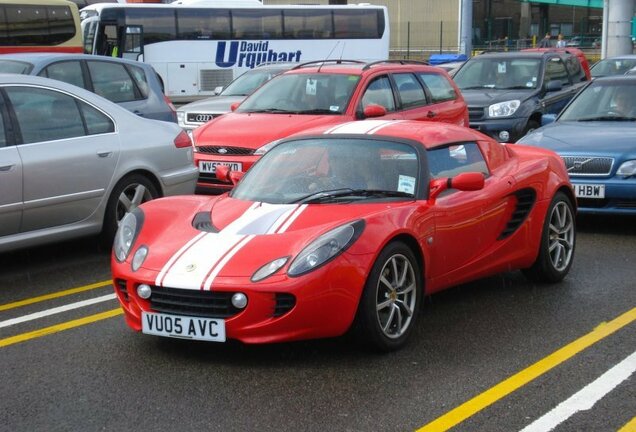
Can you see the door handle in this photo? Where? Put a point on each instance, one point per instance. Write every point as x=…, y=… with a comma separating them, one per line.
x=6, y=167
x=139, y=113
x=105, y=153
x=431, y=114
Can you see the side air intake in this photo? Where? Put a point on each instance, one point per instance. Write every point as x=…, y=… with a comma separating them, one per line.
x=525, y=201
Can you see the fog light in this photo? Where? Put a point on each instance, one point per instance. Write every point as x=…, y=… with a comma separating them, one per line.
x=504, y=135
x=144, y=291
x=239, y=300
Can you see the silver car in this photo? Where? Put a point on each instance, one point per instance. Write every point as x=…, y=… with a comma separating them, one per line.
x=73, y=163
x=194, y=114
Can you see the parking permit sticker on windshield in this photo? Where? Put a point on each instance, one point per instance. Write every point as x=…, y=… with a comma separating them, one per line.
x=501, y=68
x=310, y=87
x=406, y=184
x=334, y=108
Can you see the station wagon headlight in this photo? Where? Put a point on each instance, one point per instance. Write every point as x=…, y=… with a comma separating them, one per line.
x=325, y=248
x=627, y=168
x=504, y=109
x=129, y=228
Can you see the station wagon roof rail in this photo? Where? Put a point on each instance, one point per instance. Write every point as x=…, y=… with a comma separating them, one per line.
x=417, y=62
x=322, y=62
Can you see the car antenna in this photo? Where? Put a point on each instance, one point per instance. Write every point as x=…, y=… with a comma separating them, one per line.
x=329, y=55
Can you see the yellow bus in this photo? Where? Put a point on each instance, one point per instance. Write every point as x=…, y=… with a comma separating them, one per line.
x=39, y=25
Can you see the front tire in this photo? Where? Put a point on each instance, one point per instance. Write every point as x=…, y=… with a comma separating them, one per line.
x=391, y=299
x=128, y=194
x=558, y=240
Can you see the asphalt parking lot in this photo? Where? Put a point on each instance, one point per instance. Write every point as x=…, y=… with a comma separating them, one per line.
x=499, y=354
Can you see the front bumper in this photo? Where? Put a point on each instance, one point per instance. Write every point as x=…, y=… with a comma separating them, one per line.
x=620, y=196
x=207, y=182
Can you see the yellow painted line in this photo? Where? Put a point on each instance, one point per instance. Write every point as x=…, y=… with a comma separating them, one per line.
x=58, y=294
x=59, y=327
x=629, y=427
x=504, y=388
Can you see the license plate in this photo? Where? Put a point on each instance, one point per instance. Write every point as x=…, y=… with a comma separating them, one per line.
x=589, y=190
x=210, y=167
x=184, y=327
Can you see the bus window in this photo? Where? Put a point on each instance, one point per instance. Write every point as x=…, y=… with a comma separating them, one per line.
x=203, y=24
x=257, y=24
x=308, y=24
x=357, y=24
x=159, y=24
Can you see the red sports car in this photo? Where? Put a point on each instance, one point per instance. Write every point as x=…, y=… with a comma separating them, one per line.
x=344, y=228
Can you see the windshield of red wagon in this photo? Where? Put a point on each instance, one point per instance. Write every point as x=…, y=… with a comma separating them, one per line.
x=319, y=93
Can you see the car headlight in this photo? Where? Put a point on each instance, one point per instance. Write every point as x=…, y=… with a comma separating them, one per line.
x=504, y=109
x=325, y=248
x=267, y=147
x=627, y=168
x=129, y=228
x=269, y=269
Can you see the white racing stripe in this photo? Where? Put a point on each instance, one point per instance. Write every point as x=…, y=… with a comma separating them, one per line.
x=196, y=264
x=359, y=127
x=586, y=397
x=56, y=310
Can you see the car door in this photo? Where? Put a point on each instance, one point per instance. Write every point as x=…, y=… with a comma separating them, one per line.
x=467, y=223
x=379, y=91
x=413, y=103
x=10, y=179
x=446, y=105
x=114, y=82
x=555, y=71
x=69, y=152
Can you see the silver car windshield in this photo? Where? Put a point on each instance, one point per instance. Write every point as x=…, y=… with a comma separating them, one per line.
x=328, y=170
x=302, y=93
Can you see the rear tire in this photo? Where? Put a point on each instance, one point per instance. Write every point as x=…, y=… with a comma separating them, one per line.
x=391, y=299
x=128, y=194
x=558, y=241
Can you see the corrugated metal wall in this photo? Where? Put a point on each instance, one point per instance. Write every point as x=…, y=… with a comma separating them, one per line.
x=418, y=27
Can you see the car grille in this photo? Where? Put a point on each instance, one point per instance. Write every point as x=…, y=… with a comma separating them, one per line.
x=225, y=151
x=199, y=118
x=475, y=114
x=211, y=179
x=588, y=165
x=120, y=285
x=209, y=304
x=284, y=303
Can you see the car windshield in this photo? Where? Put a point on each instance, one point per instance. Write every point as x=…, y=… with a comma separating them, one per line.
x=612, y=67
x=332, y=170
x=16, y=67
x=301, y=93
x=603, y=101
x=250, y=81
x=499, y=73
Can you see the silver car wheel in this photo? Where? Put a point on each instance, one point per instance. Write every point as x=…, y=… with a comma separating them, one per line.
x=131, y=197
x=396, y=296
x=561, y=236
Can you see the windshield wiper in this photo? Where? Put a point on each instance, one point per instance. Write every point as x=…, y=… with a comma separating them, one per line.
x=270, y=110
x=477, y=87
x=317, y=111
x=607, y=118
x=519, y=87
x=331, y=195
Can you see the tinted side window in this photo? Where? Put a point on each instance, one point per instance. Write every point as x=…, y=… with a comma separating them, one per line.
x=110, y=80
x=139, y=76
x=308, y=24
x=45, y=115
x=36, y=25
x=410, y=90
x=159, y=24
x=358, y=24
x=441, y=90
x=96, y=121
x=67, y=71
x=575, y=69
x=379, y=92
x=257, y=24
x=451, y=160
x=555, y=70
x=203, y=23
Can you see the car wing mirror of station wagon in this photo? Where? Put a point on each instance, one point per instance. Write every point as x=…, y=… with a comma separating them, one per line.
x=469, y=181
x=234, y=106
x=374, y=110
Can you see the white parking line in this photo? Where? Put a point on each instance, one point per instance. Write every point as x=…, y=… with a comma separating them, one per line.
x=586, y=397
x=56, y=310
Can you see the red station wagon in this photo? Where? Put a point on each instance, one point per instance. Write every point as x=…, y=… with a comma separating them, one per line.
x=319, y=94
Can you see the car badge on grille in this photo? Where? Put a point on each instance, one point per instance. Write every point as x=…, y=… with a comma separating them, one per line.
x=222, y=150
x=190, y=267
x=577, y=165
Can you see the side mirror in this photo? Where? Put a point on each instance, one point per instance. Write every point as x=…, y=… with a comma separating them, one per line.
x=218, y=90
x=234, y=106
x=546, y=119
x=374, y=110
x=554, y=85
x=224, y=174
x=469, y=181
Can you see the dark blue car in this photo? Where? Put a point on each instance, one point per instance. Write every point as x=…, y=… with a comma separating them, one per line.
x=596, y=137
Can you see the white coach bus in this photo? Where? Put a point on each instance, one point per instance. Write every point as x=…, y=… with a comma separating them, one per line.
x=198, y=46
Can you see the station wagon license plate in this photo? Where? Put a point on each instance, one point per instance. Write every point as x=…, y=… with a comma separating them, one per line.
x=589, y=190
x=210, y=167
x=184, y=327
